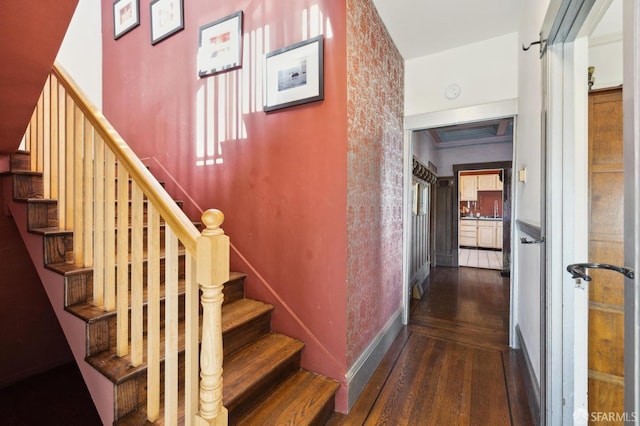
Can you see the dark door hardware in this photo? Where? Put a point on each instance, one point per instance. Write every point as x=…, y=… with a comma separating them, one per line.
x=579, y=270
x=524, y=240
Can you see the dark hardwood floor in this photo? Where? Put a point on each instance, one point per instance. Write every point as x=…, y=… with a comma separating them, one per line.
x=451, y=365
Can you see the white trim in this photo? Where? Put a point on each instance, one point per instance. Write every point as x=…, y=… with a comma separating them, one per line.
x=361, y=371
x=532, y=385
x=631, y=105
x=507, y=108
x=406, y=223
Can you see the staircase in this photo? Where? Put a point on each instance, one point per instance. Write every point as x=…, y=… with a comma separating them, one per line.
x=262, y=382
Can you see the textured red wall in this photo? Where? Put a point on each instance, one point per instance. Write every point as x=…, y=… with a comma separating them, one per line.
x=280, y=178
x=374, y=222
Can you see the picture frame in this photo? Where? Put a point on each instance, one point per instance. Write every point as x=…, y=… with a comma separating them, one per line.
x=167, y=18
x=220, y=45
x=126, y=16
x=294, y=75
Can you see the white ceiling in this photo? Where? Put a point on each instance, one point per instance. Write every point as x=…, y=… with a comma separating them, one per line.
x=423, y=27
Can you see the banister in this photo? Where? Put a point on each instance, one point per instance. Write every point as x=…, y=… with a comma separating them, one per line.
x=184, y=229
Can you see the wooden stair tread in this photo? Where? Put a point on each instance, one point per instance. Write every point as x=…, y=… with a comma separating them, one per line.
x=68, y=268
x=118, y=369
x=301, y=399
x=241, y=311
x=90, y=313
x=242, y=369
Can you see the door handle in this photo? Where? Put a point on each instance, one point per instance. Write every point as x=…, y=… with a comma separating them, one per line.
x=579, y=270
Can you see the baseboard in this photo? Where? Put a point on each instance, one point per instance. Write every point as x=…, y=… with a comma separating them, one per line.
x=362, y=370
x=531, y=383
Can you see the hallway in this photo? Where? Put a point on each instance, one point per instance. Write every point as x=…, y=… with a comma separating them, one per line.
x=452, y=364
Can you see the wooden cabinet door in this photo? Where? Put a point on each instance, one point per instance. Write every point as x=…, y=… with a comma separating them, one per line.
x=468, y=188
x=468, y=233
x=487, y=182
x=486, y=234
x=606, y=245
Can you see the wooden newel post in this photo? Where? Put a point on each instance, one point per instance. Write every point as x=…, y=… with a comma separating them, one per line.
x=212, y=272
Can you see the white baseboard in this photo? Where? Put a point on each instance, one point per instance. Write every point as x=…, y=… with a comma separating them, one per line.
x=531, y=382
x=361, y=371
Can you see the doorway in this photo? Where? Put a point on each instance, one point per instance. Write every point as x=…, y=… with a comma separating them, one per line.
x=501, y=117
x=483, y=209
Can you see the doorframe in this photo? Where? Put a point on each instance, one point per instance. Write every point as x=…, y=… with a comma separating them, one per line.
x=484, y=112
x=565, y=29
x=631, y=105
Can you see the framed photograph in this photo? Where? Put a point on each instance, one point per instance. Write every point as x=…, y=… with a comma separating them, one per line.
x=220, y=45
x=126, y=16
x=294, y=75
x=167, y=18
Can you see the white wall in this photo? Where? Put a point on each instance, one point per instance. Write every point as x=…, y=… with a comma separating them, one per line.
x=606, y=57
x=605, y=47
x=485, y=71
x=527, y=195
x=81, y=50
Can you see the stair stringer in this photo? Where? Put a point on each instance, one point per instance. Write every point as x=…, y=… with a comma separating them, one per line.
x=74, y=329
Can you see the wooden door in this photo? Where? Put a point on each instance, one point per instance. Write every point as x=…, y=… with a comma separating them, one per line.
x=445, y=222
x=606, y=245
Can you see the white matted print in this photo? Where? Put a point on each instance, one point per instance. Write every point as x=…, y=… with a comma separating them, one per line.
x=294, y=75
x=167, y=18
x=126, y=16
x=220, y=45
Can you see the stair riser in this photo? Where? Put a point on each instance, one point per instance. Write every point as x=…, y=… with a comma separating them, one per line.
x=131, y=395
x=246, y=334
x=263, y=388
x=59, y=247
x=79, y=287
x=233, y=290
x=42, y=214
x=102, y=334
x=27, y=186
x=20, y=161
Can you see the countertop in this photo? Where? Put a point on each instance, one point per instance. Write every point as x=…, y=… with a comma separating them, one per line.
x=480, y=218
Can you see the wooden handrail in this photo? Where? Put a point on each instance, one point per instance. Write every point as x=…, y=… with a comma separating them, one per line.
x=183, y=227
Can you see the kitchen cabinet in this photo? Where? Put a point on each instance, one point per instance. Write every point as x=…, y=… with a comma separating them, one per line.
x=489, y=183
x=468, y=188
x=487, y=233
x=467, y=233
x=483, y=233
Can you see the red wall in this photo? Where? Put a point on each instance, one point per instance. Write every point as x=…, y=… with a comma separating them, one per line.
x=32, y=340
x=280, y=178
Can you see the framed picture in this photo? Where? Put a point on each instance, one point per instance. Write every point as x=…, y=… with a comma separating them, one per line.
x=167, y=18
x=220, y=45
x=294, y=75
x=126, y=16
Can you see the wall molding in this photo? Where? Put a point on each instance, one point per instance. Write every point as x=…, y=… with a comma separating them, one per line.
x=530, y=381
x=491, y=110
x=362, y=370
